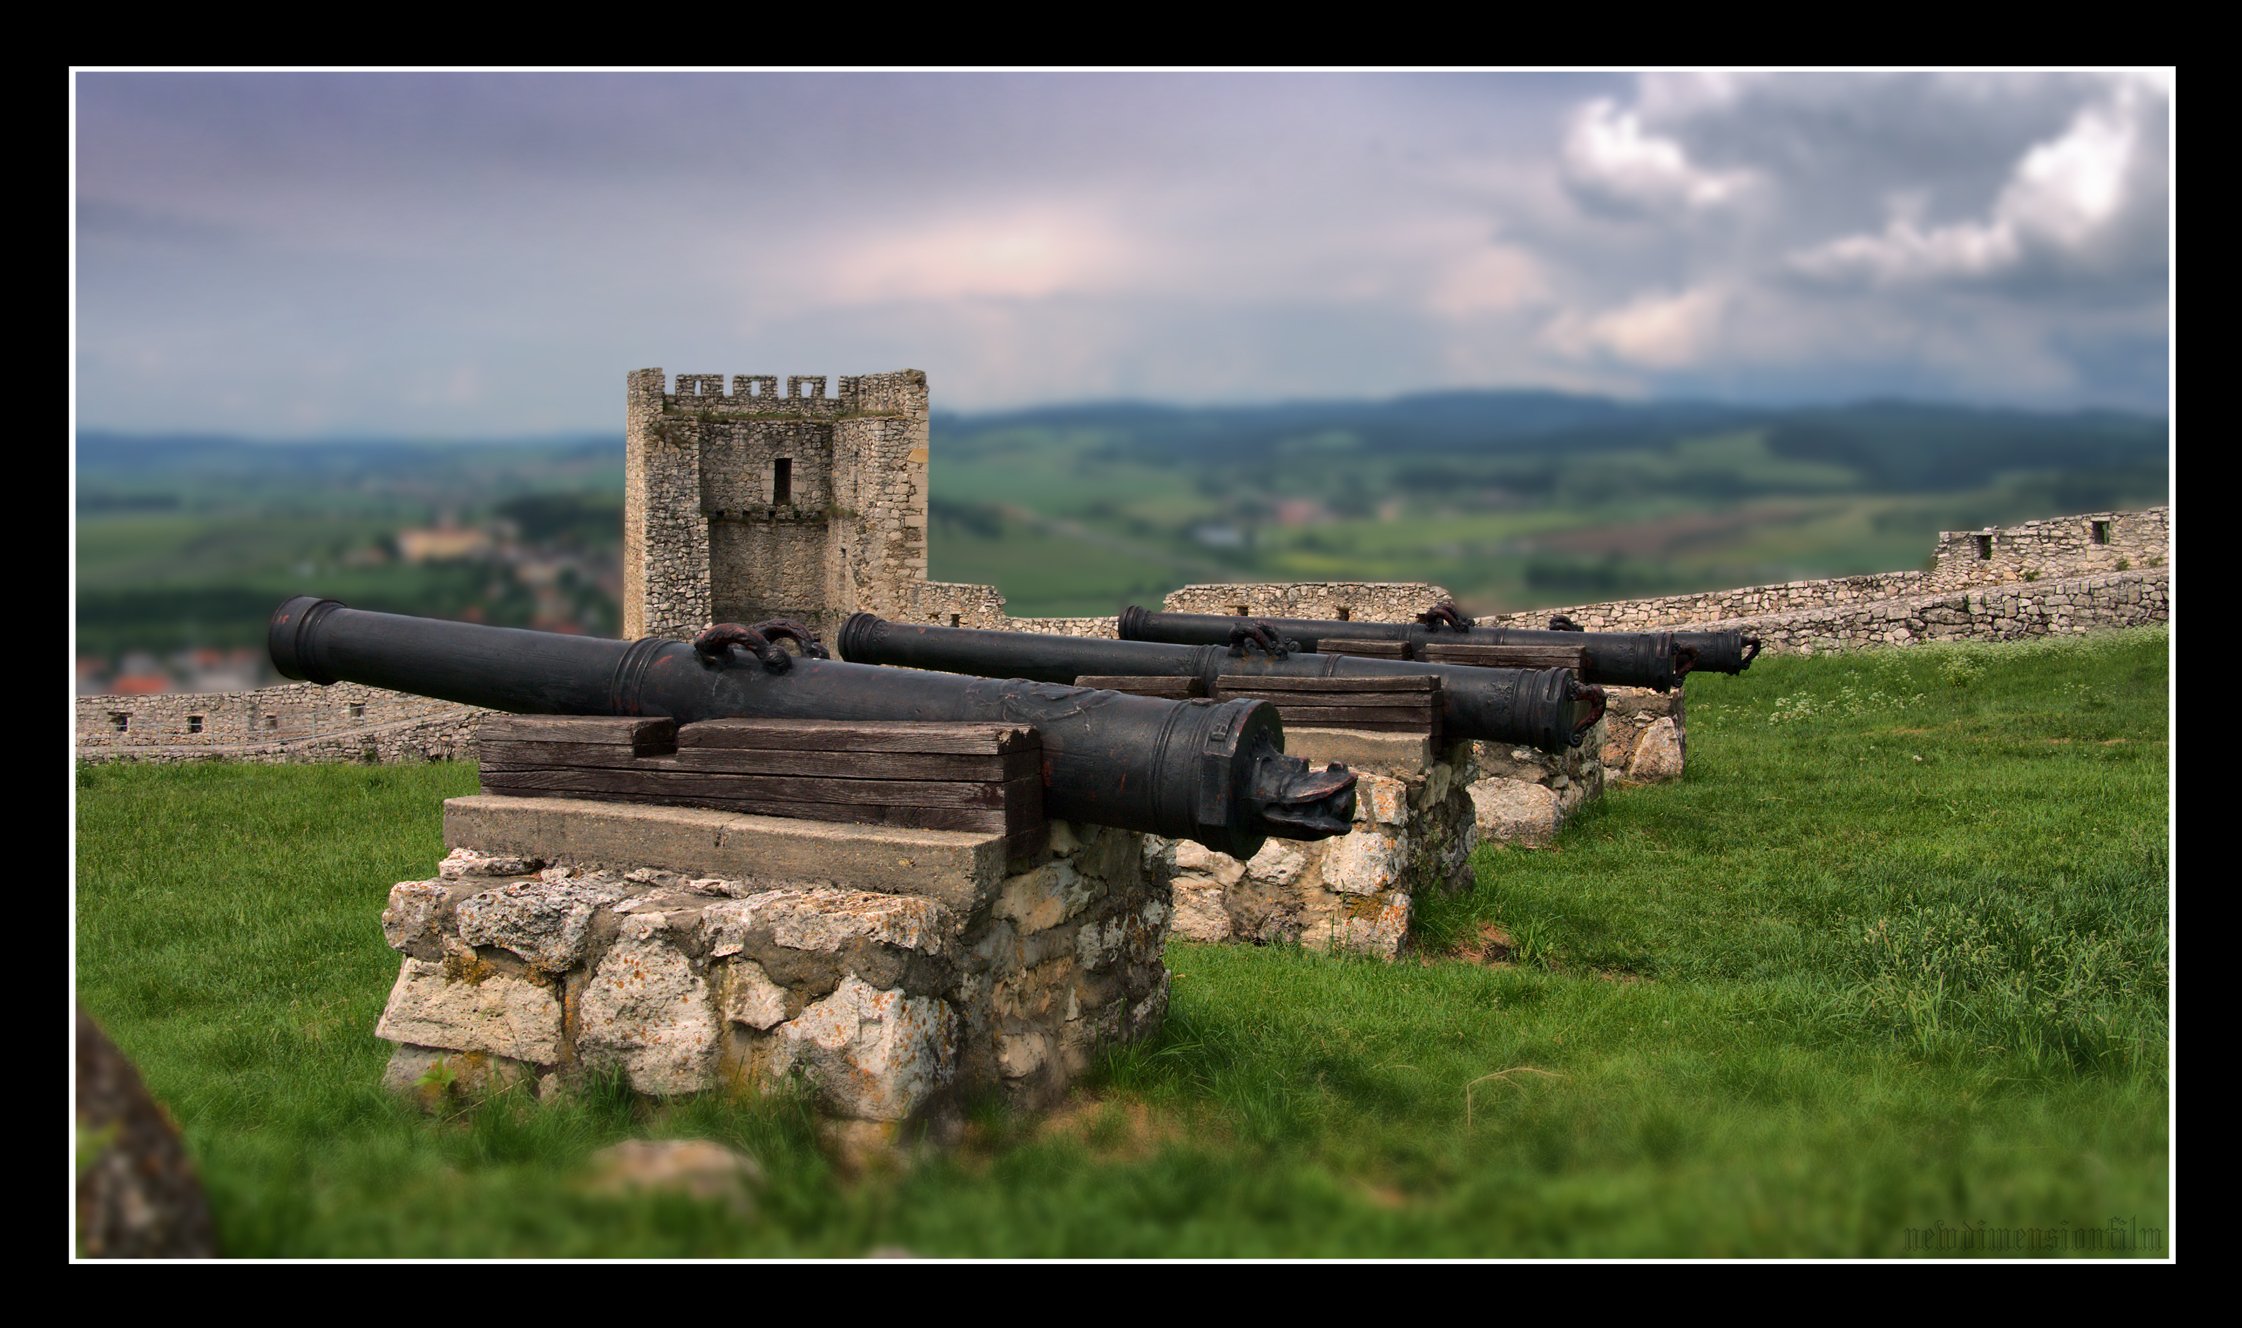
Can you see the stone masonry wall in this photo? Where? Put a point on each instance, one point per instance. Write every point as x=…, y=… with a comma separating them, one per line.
x=1414, y=831
x=2063, y=546
x=1988, y=613
x=893, y=1006
x=2058, y=547
x=291, y=722
x=1369, y=601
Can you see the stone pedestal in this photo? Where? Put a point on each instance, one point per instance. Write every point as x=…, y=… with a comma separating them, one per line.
x=897, y=972
x=1646, y=734
x=1523, y=796
x=1414, y=832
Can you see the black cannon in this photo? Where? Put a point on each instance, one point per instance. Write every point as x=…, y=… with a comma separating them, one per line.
x=1621, y=659
x=1216, y=773
x=1546, y=708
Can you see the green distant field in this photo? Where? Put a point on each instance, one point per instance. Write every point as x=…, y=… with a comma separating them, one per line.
x=1511, y=501
x=1507, y=521
x=1886, y=972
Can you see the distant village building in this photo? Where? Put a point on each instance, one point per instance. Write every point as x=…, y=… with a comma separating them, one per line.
x=437, y=544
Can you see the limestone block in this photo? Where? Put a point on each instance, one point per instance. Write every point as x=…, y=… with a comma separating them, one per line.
x=1098, y=944
x=823, y=920
x=1438, y=781
x=462, y=863
x=1145, y=1015
x=872, y=1055
x=1658, y=754
x=416, y=914
x=646, y=1010
x=1045, y=897
x=1279, y=862
x=696, y=1168
x=750, y=997
x=1381, y=800
x=546, y=923
x=1374, y=926
x=412, y=1073
x=1362, y=863
x=1513, y=811
x=1192, y=856
x=461, y=1002
x=1201, y=912
x=1021, y=1055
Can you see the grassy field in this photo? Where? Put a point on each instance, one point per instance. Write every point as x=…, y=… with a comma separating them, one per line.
x=1885, y=973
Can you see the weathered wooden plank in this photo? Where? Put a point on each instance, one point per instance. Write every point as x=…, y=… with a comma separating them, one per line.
x=511, y=752
x=644, y=736
x=1419, y=701
x=1346, y=715
x=854, y=736
x=650, y=778
x=862, y=765
x=1263, y=682
x=997, y=820
x=1370, y=649
x=1431, y=731
x=1138, y=685
x=1522, y=656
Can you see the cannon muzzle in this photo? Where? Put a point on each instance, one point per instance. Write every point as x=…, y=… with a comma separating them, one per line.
x=1209, y=771
x=1721, y=652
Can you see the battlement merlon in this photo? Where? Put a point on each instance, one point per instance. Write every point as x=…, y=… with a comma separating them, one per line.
x=900, y=393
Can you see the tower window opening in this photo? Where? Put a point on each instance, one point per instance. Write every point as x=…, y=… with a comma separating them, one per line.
x=1984, y=547
x=782, y=480
x=2101, y=532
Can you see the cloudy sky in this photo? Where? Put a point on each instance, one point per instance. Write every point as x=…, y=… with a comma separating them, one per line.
x=488, y=254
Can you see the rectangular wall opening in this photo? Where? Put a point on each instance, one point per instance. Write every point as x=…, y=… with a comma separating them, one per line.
x=2101, y=532
x=782, y=480
x=953, y=620
x=1241, y=611
x=272, y=722
x=119, y=721
x=357, y=710
x=1346, y=614
x=194, y=723
x=1984, y=547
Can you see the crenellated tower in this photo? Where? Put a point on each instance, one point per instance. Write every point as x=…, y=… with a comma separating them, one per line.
x=754, y=504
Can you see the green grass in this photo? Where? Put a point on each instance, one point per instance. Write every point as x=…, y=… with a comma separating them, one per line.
x=1891, y=955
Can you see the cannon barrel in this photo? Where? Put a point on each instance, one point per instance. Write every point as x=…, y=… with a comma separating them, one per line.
x=1216, y=773
x=1618, y=659
x=1546, y=708
x=1719, y=652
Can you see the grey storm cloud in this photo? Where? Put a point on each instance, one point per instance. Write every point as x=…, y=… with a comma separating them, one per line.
x=436, y=254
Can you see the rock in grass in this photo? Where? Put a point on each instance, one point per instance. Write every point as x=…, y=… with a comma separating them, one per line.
x=138, y=1195
x=696, y=1168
